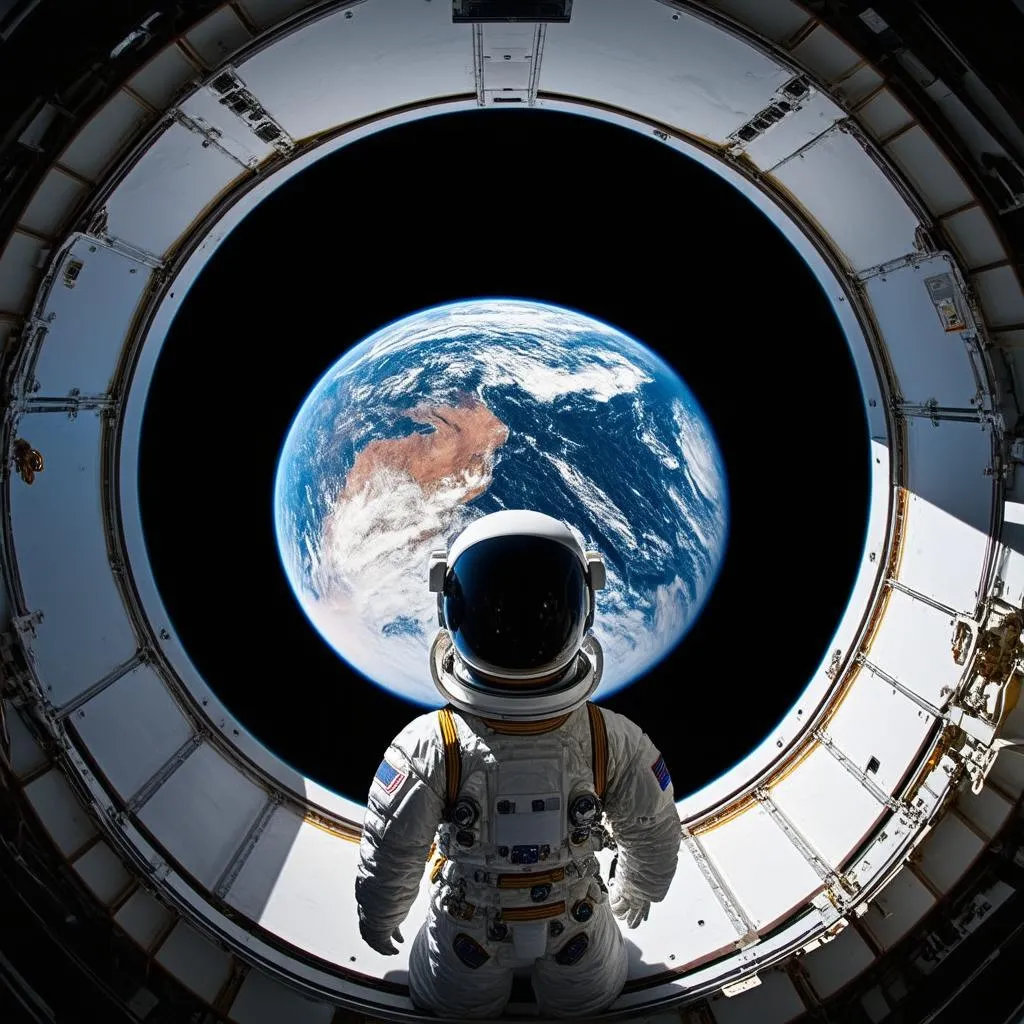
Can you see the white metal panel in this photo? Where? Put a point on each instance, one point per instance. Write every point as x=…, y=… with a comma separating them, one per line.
x=1001, y=297
x=20, y=267
x=131, y=728
x=90, y=320
x=774, y=1001
x=91, y=151
x=102, y=871
x=987, y=809
x=949, y=510
x=61, y=549
x=267, y=866
x=793, y=880
x=262, y=1000
x=833, y=964
x=297, y=884
x=948, y=851
x=832, y=810
x=817, y=115
x=341, y=69
x=883, y=114
x=903, y=902
x=6, y=330
x=26, y=754
x=143, y=918
x=779, y=20
x=974, y=237
x=934, y=177
x=269, y=12
x=183, y=174
x=1008, y=339
x=845, y=192
x=860, y=84
x=234, y=133
x=690, y=923
x=874, y=1004
x=201, y=813
x=930, y=362
x=165, y=77
x=877, y=721
x=196, y=962
x=924, y=665
x=218, y=36
x=972, y=134
x=52, y=203
x=1008, y=771
x=684, y=73
x=58, y=809
x=825, y=55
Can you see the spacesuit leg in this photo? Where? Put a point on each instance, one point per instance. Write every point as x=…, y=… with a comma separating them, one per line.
x=569, y=987
x=442, y=975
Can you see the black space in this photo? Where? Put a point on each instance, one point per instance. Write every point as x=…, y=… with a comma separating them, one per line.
x=542, y=206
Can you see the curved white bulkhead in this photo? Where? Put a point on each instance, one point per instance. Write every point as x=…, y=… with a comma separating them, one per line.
x=212, y=850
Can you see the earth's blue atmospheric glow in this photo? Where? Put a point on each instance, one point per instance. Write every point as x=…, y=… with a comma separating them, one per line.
x=471, y=407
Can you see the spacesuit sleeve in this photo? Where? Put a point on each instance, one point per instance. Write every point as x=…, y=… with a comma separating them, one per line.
x=403, y=810
x=640, y=806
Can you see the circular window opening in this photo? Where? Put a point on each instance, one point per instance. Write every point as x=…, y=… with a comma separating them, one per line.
x=559, y=210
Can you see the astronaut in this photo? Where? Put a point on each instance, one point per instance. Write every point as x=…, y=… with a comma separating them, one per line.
x=510, y=789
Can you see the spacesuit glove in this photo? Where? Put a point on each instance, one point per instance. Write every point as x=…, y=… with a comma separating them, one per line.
x=626, y=905
x=380, y=941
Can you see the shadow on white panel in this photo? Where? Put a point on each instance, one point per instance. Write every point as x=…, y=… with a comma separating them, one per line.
x=102, y=871
x=167, y=76
x=834, y=964
x=774, y=1001
x=987, y=810
x=55, y=199
x=60, y=812
x=261, y=1000
x=143, y=918
x=198, y=964
x=903, y=902
x=21, y=266
x=103, y=138
x=218, y=36
x=948, y=851
x=26, y=755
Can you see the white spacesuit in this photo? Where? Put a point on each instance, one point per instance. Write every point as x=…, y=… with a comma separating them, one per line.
x=506, y=790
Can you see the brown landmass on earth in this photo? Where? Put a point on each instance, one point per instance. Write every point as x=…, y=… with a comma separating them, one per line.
x=465, y=438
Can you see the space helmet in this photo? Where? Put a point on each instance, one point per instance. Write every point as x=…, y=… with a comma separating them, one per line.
x=516, y=600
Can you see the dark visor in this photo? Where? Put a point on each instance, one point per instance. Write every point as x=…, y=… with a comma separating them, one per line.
x=516, y=603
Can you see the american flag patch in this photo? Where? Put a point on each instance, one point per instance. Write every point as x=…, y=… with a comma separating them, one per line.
x=661, y=773
x=390, y=778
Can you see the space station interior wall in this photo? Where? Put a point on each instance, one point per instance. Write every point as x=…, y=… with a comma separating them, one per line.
x=157, y=778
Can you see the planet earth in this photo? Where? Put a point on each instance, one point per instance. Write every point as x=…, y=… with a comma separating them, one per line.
x=463, y=409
